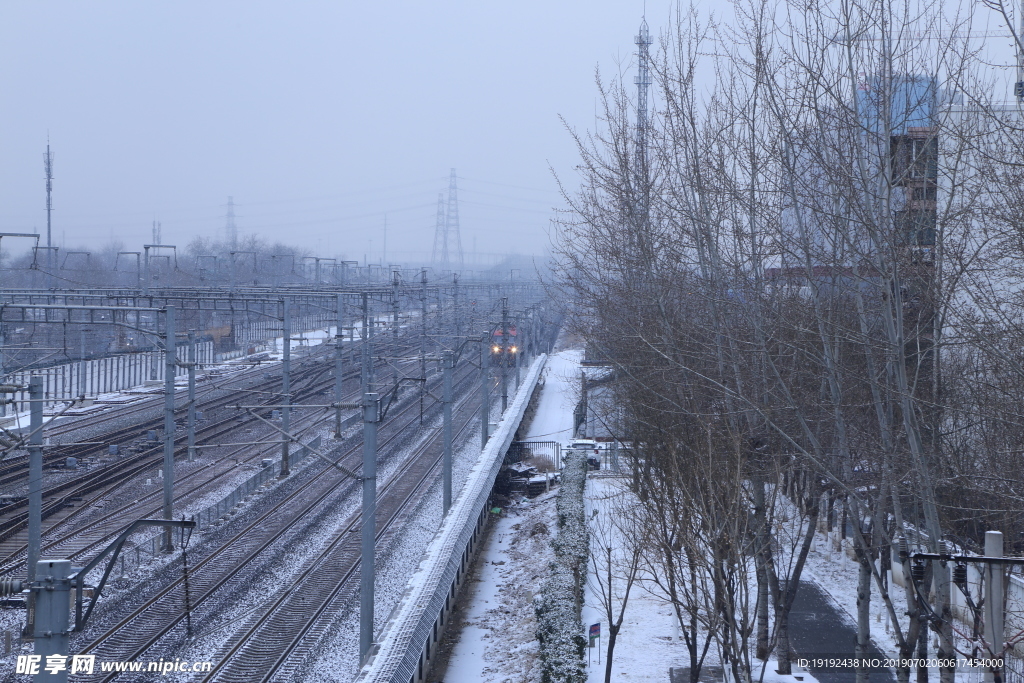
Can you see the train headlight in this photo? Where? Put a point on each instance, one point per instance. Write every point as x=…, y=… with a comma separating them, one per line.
x=496, y=349
x=513, y=349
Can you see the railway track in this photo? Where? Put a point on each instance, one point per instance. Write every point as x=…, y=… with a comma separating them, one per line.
x=14, y=517
x=78, y=541
x=285, y=630
x=309, y=382
x=133, y=635
x=13, y=468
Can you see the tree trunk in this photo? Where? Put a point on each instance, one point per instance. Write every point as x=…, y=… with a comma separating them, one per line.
x=863, y=614
x=763, y=643
x=922, y=637
x=782, y=643
x=760, y=561
x=613, y=633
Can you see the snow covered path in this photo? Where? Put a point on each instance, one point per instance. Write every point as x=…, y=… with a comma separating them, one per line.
x=497, y=642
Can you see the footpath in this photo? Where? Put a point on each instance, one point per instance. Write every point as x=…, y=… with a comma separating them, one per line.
x=820, y=629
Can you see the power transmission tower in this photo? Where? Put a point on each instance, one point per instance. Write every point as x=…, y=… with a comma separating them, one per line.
x=440, y=254
x=48, y=166
x=452, y=237
x=230, y=229
x=156, y=232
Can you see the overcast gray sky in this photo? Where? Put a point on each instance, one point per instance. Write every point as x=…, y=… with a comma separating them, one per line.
x=318, y=117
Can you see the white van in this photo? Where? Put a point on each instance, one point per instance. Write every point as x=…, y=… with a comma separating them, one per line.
x=588, y=445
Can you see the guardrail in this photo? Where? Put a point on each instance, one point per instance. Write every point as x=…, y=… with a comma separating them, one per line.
x=408, y=643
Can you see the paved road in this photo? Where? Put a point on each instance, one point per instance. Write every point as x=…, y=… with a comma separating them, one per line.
x=817, y=628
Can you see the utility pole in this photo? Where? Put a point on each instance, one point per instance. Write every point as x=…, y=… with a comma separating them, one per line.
x=452, y=238
x=369, y=524
x=145, y=281
x=3, y=341
x=230, y=229
x=485, y=394
x=504, y=355
x=994, y=602
x=517, y=354
x=35, y=475
x=367, y=365
x=423, y=340
x=191, y=395
x=82, y=390
x=286, y=386
x=51, y=631
x=170, y=363
x=439, y=257
x=48, y=166
x=396, y=279
x=449, y=366
x=455, y=305
x=338, y=364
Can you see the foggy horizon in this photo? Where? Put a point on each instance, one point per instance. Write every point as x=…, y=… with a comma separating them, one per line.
x=320, y=120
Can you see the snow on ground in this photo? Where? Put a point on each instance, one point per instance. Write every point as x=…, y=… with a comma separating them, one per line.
x=553, y=419
x=649, y=641
x=497, y=642
x=836, y=574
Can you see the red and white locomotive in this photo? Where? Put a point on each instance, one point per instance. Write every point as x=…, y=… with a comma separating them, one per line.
x=503, y=346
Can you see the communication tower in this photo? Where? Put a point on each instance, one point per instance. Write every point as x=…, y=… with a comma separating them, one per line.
x=643, y=81
x=230, y=229
x=48, y=166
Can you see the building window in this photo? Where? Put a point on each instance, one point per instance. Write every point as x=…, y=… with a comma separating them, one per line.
x=915, y=227
x=926, y=193
x=914, y=158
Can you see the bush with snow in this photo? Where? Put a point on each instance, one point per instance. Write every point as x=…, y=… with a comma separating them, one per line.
x=559, y=627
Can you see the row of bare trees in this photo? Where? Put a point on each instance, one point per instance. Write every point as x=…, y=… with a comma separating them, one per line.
x=808, y=284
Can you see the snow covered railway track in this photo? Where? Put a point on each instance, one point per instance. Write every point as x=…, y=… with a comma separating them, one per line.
x=68, y=500
x=278, y=638
x=221, y=569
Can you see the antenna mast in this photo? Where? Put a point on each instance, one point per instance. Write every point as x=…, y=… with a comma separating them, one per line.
x=48, y=166
x=643, y=80
x=230, y=228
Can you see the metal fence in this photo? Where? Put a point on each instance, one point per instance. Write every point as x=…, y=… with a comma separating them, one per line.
x=524, y=450
x=220, y=510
